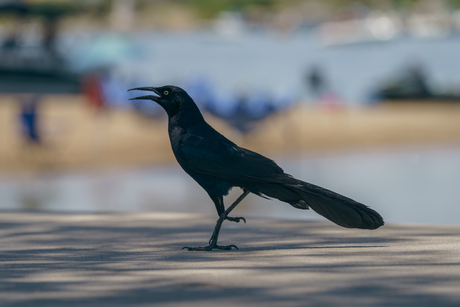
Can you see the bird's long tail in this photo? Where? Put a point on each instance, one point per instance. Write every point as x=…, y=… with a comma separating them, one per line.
x=335, y=207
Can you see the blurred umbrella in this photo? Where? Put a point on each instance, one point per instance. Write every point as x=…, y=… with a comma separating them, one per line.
x=103, y=52
x=40, y=69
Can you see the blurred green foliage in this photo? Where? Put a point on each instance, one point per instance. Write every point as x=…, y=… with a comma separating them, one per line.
x=208, y=9
x=211, y=8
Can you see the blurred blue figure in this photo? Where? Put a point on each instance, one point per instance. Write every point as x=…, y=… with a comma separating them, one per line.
x=243, y=112
x=249, y=110
x=29, y=119
x=201, y=89
x=259, y=105
x=224, y=105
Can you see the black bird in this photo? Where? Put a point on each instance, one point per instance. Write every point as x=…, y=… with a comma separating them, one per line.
x=217, y=164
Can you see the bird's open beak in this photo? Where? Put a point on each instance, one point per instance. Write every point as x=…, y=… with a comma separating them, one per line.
x=149, y=97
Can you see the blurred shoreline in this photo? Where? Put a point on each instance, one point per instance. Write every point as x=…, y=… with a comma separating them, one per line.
x=77, y=137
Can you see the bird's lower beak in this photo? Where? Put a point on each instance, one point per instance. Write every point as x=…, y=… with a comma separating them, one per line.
x=149, y=97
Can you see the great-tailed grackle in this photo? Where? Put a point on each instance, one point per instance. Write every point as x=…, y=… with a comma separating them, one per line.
x=217, y=164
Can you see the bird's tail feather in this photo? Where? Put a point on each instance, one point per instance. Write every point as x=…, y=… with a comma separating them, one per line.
x=335, y=207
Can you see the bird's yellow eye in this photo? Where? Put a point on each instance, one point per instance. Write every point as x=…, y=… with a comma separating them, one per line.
x=166, y=92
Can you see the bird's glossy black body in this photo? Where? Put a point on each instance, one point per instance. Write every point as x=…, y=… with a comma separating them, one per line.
x=217, y=165
x=177, y=135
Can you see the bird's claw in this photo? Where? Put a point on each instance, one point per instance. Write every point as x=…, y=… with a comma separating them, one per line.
x=210, y=247
x=235, y=219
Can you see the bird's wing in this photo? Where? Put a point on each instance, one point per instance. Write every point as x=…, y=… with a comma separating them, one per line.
x=225, y=160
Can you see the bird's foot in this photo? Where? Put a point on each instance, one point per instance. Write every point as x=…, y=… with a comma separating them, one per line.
x=235, y=219
x=210, y=247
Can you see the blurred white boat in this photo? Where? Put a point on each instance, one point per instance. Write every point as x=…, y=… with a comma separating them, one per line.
x=377, y=26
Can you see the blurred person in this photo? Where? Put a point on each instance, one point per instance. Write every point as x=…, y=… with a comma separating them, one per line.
x=92, y=90
x=315, y=81
x=93, y=93
x=28, y=118
x=327, y=98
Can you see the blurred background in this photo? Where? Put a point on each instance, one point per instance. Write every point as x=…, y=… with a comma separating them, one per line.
x=360, y=97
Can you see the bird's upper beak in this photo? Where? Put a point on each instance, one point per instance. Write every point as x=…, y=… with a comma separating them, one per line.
x=150, y=97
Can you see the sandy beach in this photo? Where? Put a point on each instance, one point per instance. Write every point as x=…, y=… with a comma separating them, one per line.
x=77, y=137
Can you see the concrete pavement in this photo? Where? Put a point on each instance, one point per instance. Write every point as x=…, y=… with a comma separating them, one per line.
x=49, y=259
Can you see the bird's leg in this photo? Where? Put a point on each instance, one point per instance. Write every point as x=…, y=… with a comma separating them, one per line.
x=215, y=235
x=224, y=216
x=219, y=203
x=229, y=209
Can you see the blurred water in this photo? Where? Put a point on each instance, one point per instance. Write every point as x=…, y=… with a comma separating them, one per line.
x=273, y=63
x=405, y=186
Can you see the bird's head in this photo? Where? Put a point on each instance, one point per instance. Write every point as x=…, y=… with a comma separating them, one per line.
x=171, y=98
